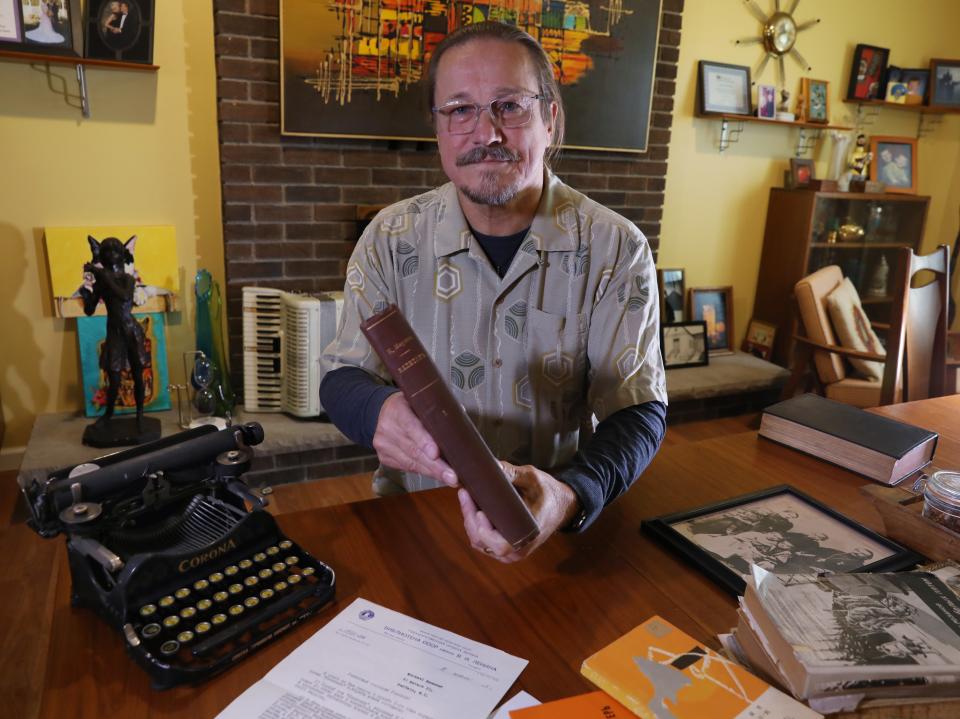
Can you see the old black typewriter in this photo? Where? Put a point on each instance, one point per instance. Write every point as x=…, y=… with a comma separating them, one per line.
x=163, y=546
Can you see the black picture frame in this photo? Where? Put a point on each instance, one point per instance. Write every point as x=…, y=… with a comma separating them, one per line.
x=671, y=283
x=684, y=344
x=723, y=89
x=110, y=36
x=944, y=85
x=61, y=34
x=765, y=513
x=868, y=73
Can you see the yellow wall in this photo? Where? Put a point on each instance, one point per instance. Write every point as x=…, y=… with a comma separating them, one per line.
x=147, y=156
x=716, y=204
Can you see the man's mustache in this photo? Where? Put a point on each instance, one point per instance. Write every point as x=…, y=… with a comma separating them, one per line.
x=494, y=152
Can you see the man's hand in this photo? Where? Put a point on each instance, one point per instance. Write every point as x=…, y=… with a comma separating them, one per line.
x=552, y=503
x=402, y=442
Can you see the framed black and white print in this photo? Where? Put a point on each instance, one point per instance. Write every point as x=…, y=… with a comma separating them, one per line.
x=684, y=344
x=120, y=30
x=944, y=90
x=781, y=530
x=672, y=292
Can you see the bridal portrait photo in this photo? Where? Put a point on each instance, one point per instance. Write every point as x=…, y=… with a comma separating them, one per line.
x=47, y=22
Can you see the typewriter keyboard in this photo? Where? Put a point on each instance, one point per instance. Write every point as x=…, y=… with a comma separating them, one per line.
x=221, y=614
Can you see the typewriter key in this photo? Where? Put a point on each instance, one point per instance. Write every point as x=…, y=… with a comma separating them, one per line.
x=188, y=612
x=244, y=564
x=259, y=557
x=170, y=647
x=279, y=567
x=216, y=577
x=185, y=637
x=307, y=571
x=271, y=551
x=292, y=559
x=148, y=610
x=294, y=578
x=235, y=611
x=218, y=619
x=150, y=630
x=204, y=627
x=220, y=597
x=166, y=602
x=286, y=544
x=251, y=581
x=250, y=602
x=203, y=605
x=265, y=573
x=201, y=584
x=231, y=570
x=171, y=621
x=280, y=586
x=235, y=588
x=266, y=594
x=182, y=593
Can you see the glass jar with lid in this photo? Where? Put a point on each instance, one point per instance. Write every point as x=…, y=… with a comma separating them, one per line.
x=941, y=499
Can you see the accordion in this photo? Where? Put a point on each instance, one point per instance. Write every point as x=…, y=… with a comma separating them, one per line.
x=162, y=545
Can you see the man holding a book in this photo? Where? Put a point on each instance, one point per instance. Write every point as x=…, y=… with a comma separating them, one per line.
x=537, y=305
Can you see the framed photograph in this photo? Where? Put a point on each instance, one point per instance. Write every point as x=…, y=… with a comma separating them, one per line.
x=767, y=101
x=723, y=88
x=714, y=305
x=894, y=162
x=801, y=171
x=684, y=344
x=120, y=30
x=375, y=90
x=867, y=73
x=816, y=100
x=780, y=529
x=907, y=86
x=759, y=339
x=53, y=27
x=944, y=83
x=672, y=292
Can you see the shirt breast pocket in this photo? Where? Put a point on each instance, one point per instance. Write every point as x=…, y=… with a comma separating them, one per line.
x=556, y=348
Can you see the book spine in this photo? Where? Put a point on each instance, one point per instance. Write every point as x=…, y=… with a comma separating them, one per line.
x=627, y=698
x=478, y=471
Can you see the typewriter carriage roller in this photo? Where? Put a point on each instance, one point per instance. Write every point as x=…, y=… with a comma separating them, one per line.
x=161, y=544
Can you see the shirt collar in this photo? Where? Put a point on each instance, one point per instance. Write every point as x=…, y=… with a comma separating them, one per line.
x=555, y=226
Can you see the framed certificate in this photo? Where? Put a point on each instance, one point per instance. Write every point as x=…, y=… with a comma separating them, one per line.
x=723, y=88
x=10, y=22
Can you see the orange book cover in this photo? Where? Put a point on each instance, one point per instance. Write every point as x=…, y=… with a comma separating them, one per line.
x=595, y=705
x=656, y=671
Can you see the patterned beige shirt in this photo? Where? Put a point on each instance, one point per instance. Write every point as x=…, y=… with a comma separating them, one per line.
x=566, y=338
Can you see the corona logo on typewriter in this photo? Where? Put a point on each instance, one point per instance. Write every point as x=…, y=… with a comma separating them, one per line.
x=204, y=557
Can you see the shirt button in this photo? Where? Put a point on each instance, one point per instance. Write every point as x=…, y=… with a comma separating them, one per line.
x=498, y=362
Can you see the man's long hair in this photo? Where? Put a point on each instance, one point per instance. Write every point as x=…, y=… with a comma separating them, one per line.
x=546, y=80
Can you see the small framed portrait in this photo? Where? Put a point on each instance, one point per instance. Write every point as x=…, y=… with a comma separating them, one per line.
x=120, y=30
x=767, y=101
x=714, y=305
x=867, y=73
x=53, y=27
x=907, y=86
x=944, y=84
x=723, y=88
x=759, y=339
x=672, y=292
x=801, y=171
x=684, y=344
x=780, y=529
x=894, y=162
x=816, y=100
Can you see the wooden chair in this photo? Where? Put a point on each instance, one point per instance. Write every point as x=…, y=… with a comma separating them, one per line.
x=915, y=360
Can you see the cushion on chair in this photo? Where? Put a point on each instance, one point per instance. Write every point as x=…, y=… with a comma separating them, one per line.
x=856, y=392
x=853, y=328
x=811, y=293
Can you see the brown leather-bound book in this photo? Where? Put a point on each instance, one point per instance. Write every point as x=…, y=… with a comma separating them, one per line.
x=462, y=447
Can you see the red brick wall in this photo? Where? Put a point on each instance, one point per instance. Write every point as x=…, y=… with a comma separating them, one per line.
x=289, y=203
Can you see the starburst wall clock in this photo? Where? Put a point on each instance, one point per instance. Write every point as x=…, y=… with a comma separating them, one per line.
x=778, y=36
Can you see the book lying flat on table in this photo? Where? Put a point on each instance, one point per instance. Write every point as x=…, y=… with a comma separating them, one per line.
x=656, y=670
x=461, y=445
x=866, y=443
x=595, y=705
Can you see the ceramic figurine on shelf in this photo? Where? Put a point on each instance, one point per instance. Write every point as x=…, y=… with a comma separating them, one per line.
x=124, y=346
x=783, y=109
x=860, y=159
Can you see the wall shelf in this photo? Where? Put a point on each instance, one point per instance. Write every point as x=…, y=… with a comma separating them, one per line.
x=80, y=63
x=809, y=131
x=928, y=117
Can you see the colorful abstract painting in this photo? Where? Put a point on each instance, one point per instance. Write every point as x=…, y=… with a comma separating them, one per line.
x=354, y=68
x=91, y=333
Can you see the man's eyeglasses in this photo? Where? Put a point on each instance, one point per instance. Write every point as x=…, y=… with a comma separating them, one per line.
x=461, y=118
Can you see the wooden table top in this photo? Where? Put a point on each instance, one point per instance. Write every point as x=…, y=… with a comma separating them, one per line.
x=409, y=553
